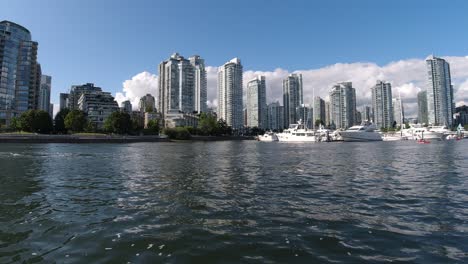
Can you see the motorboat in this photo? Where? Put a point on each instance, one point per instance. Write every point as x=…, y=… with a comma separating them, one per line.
x=393, y=137
x=361, y=133
x=323, y=135
x=446, y=133
x=424, y=133
x=297, y=133
x=268, y=137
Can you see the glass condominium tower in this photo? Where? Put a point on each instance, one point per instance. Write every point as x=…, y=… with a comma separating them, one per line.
x=19, y=72
x=382, y=104
x=176, y=86
x=440, y=104
x=292, y=98
x=256, y=103
x=230, y=106
x=200, y=83
x=343, y=105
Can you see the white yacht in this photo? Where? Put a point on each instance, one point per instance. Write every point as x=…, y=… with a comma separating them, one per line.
x=393, y=137
x=268, y=137
x=324, y=135
x=361, y=133
x=418, y=133
x=446, y=133
x=297, y=133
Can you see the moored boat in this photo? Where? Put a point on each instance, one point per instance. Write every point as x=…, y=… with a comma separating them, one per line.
x=268, y=137
x=297, y=133
x=361, y=133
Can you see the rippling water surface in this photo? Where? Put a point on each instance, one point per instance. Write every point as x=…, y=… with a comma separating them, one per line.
x=234, y=202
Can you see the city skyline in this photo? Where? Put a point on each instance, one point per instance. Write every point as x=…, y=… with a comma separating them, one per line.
x=60, y=28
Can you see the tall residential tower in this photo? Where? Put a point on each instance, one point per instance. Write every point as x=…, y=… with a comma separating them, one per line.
x=176, y=86
x=342, y=105
x=292, y=98
x=200, y=83
x=440, y=103
x=19, y=72
x=382, y=104
x=230, y=107
x=256, y=103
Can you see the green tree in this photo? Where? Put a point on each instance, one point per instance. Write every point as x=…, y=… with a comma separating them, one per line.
x=465, y=127
x=148, y=109
x=180, y=133
x=59, y=121
x=318, y=122
x=14, y=124
x=152, y=128
x=75, y=121
x=223, y=128
x=207, y=125
x=119, y=123
x=37, y=121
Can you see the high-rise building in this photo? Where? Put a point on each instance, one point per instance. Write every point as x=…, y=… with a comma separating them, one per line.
x=398, y=112
x=64, y=102
x=256, y=103
x=440, y=103
x=200, y=82
x=44, y=93
x=147, y=104
x=51, y=110
x=230, y=93
x=382, y=104
x=342, y=105
x=275, y=116
x=126, y=107
x=327, y=114
x=358, y=117
x=422, y=107
x=319, y=110
x=305, y=114
x=77, y=90
x=176, y=86
x=19, y=71
x=292, y=98
x=367, y=112
x=461, y=115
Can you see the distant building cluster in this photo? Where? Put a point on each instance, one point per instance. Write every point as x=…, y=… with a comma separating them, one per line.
x=182, y=95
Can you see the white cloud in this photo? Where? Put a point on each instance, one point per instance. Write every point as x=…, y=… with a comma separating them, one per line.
x=408, y=76
x=55, y=110
x=140, y=85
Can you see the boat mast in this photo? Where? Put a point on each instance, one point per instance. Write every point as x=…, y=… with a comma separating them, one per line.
x=313, y=108
x=401, y=113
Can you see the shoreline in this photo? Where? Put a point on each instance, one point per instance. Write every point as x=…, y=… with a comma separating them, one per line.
x=77, y=139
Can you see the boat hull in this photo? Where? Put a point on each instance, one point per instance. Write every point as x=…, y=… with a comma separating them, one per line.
x=290, y=138
x=360, y=136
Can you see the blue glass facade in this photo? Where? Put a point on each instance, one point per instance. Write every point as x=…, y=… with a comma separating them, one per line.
x=19, y=71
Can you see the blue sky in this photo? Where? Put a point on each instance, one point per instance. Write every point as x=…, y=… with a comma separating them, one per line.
x=108, y=42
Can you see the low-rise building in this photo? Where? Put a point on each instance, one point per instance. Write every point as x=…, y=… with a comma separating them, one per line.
x=152, y=116
x=178, y=119
x=98, y=106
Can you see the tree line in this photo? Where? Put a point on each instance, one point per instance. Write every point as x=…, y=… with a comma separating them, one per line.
x=76, y=121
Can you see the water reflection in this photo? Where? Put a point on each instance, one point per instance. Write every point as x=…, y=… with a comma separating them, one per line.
x=235, y=201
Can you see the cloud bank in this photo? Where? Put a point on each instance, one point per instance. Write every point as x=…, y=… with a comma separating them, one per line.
x=407, y=76
x=141, y=84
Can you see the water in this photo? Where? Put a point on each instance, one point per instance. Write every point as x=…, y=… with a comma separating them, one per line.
x=234, y=202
